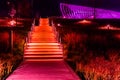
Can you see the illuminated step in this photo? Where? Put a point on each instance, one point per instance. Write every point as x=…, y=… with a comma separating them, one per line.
x=47, y=46
x=44, y=49
x=43, y=60
x=47, y=30
x=43, y=44
x=43, y=56
x=60, y=52
x=42, y=34
x=44, y=41
x=42, y=31
x=43, y=38
x=41, y=47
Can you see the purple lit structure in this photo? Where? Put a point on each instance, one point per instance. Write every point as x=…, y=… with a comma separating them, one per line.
x=83, y=12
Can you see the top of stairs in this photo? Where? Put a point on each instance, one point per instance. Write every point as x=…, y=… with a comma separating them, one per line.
x=44, y=22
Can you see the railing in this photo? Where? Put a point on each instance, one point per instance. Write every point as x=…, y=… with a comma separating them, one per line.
x=29, y=33
x=57, y=34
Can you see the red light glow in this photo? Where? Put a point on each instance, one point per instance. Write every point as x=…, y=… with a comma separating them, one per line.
x=12, y=22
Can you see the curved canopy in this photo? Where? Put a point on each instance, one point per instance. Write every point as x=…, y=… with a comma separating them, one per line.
x=83, y=12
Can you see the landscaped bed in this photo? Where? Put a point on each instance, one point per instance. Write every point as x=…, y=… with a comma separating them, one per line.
x=93, y=53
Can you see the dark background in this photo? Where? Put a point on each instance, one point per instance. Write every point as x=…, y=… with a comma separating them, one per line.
x=46, y=8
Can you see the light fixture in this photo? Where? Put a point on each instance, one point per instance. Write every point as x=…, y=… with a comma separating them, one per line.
x=109, y=27
x=12, y=22
x=84, y=22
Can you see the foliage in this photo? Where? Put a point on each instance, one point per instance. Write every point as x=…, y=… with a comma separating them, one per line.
x=100, y=69
x=91, y=63
x=8, y=62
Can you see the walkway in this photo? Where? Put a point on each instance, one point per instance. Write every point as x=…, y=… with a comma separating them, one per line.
x=58, y=70
x=43, y=57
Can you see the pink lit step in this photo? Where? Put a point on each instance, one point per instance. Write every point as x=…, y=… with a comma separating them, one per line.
x=35, y=52
x=38, y=60
x=42, y=38
x=44, y=49
x=43, y=44
x=43, y=56
x=43, y=41
x=42, y=35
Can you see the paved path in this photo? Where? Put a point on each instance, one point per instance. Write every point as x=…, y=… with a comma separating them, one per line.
x=46, y=70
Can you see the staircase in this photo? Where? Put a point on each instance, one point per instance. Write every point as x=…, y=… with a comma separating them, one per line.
x=42, y=45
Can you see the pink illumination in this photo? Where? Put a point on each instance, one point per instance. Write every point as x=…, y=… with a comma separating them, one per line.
x=12, y=22
x=84, y=22
x=58, y=24
x=84, y=12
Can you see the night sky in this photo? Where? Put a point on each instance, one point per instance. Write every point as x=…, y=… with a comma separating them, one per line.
x=51, y=7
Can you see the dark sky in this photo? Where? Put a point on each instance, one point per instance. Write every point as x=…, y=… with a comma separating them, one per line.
x=51, y=7
x=106, y=4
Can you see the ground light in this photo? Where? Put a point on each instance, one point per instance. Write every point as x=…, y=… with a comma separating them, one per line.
x=12, y=22
x=84, y=22
x=109, y=27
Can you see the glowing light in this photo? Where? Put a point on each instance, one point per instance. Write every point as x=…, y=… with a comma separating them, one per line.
x=109, y=27
x=84, y=22
x=12, y=22
x=58, y=24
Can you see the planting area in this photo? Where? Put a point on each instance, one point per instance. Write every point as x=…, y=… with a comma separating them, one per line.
x=92, y=50
x=11, y=54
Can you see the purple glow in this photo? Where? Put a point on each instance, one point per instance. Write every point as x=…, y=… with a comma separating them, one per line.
x=83, y=12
